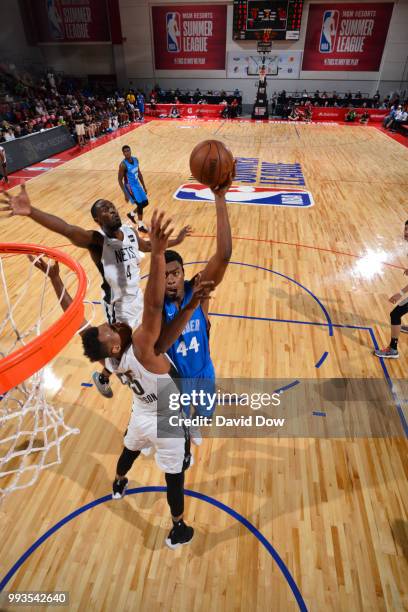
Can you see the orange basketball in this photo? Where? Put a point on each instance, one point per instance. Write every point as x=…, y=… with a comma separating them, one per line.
x=211, y=163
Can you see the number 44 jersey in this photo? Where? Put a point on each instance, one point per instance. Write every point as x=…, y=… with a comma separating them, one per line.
x=191, y=351
x=120, y=261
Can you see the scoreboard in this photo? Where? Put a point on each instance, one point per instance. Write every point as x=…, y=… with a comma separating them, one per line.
x=281, y=17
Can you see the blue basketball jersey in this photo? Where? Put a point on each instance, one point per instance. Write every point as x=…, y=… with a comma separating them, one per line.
x=191, y=351
x=132, y=183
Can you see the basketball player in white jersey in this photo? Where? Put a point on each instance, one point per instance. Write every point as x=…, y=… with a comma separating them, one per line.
x=136, y=356
x=116, y=251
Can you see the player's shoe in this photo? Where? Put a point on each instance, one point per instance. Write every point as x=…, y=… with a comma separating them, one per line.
x=195, y=436
x=179, y=535
x=132, y=217
x=104, y=388
x=142, y=227
x=387, y=353
x=404, y=329
x=119, y=487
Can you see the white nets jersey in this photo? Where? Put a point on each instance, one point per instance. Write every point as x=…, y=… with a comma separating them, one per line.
x=143, y=383
x=121, y=266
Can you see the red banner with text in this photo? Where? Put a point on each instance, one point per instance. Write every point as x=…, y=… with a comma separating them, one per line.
x=68, y=21
x=346, y=36
x=189, y=36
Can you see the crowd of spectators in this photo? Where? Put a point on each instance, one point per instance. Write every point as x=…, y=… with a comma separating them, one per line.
x=232, y=102
x=29, y=105
x=283, y=103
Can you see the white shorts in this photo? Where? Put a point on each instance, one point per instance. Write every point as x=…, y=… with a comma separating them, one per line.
x=172, y=454
x=126, y=310
x=80, y=129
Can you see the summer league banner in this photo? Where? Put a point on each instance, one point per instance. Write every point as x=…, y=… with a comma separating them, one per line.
x=68, y=21
x=346, y=36
x=189, y=36
x=279, y=64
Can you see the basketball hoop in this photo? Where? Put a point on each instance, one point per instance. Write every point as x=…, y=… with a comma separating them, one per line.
x=31, y=357
x=31, y=429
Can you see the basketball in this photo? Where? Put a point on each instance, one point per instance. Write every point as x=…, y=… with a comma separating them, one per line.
x=211, y=163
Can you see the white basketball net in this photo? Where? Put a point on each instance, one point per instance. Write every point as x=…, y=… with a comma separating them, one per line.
x=31, y=429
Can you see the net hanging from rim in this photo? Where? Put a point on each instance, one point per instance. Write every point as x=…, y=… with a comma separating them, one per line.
x=31, y=428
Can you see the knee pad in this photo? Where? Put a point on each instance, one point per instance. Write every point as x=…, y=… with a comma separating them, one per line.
x=397, y=313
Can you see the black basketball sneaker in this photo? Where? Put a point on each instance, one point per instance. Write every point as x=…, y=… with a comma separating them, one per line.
x=119, y=487
x=179, y=535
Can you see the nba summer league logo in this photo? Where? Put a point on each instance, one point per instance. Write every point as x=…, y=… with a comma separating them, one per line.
x=329, y=31
x=280, y=185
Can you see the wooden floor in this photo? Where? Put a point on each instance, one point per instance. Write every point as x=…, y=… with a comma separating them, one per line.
x=334, y=509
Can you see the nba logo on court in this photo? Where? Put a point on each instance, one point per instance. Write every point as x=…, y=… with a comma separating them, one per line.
x=329, y=31
x=246, y=195
x=173, y=32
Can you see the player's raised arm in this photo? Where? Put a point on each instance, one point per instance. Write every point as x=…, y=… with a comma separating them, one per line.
x=52, y=270
x=121, y=179
x=20, y=204
x=215, y=269
x=146, y=335
x=146, y=247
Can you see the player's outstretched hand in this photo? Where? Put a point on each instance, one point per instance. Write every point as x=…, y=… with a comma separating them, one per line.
x=52, y=269
x=160, y=231
x=15, y=205
x=201, y=291
x=394, y=299
x=221, y=190
x=185, y=231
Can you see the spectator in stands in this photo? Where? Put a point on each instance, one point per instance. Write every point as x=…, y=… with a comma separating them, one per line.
x=141, y=105
x=131, y=97
x=174, y=113
x=225, y=111
x=234, y=109
x=364, y=117
x=294, y=114
x=400, y=118
x=305, y=94
x=308, y=112
x=236, y=92
x=3, y=165
x=376, y=98
x=317, y=94
x=388, y=119
x=79, y=126
x=9, y=135
x=351, y=115
x=359, y=95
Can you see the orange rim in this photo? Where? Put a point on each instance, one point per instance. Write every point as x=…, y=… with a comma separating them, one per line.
x=25, y=361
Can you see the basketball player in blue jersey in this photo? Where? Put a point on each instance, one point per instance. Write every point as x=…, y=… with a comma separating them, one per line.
x=190, y=351
x=143, y=366
x=116, y=251
x=133, y=186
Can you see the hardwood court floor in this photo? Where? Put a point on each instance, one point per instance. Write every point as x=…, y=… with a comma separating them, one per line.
x=334, y=509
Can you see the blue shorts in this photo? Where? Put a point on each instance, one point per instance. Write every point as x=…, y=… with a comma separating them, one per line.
x=136, y=194
x=203, y=385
